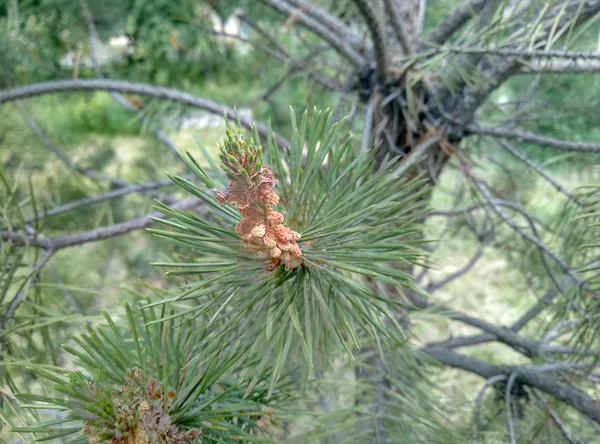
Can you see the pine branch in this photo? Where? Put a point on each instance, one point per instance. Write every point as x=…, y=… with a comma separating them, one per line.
x=94, y=235
x=284, y=56
x=561, y=67
x=328, y=20
x=508, y=407
x=561, y=425
x=44, y=258
x=538, y=169
x=488, y=383
x=112, y=194
x=530, y=237
x=496, y=69
x=397, y=26
x=144, y=89
x=526, y=346
x=527, y=375
x=521, y=53
x=376, y=29
x=435, y=286
x=532, y=313
x=539, y=139
x=335, y=41
x=266, y=35
x=455, y=20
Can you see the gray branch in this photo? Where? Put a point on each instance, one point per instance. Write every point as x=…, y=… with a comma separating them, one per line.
x=143, y=89
x=113, y=194
x=527, y=375
x=538, y=169
x=328, y=20
x=522, y=53
x=20, y=297
x=94, y=235
x=335, y=41
x=455, y=20
x=376, y=30
x=561, y=67
x=538, y=139
x=395, y=22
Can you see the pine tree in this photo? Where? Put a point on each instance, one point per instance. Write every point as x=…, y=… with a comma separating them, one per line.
x=299, y=301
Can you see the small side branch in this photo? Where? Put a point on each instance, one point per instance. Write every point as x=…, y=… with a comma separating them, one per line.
x=143, y=89
x=435, y=286
x=328, y=20
x=335, y=41
x=455, y=20
x=94, y=235
x=526, y=136
x=491, y=381
x=376, y=29
x=562, y=67
x=397, y=26
x=44, y=258
x=538, y=169
x=113, y=194
x=524, y=374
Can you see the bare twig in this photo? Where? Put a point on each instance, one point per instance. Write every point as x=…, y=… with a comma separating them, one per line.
x=561, y=67
x=522, y=53
x=376, y=29
x=44, y=137
x=457, y=18
x=435, y=286
x=530, y=237
x=284, y=56
x=491, y=381
x=328, y=20
x=416, y=155
x=561, y=425
x=94, y=235
x=538, y=169
x=144, y=89
x=335, y=41
x=20, y=297
x=76, y=308
x=397, y=27
x=119, y=192
x=508, y=406
x=538, y=139
x=88, y=172
x=525, y=374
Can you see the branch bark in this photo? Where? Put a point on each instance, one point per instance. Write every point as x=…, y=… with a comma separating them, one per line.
x=527, y=136
x=335, y=41
x=525, y=374
x=455, y=20
x=376, y=29
x=94, y=235
x=328, y=20
x=143, y=89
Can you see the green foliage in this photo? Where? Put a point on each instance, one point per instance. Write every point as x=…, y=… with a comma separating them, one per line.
x=357, y=227
x=152, y=380
x=578, y=229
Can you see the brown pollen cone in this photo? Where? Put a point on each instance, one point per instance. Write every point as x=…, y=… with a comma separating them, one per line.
x=251, y=189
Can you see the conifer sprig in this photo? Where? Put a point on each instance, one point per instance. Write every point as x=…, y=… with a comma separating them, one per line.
x=150, y=383
x=356, y=229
